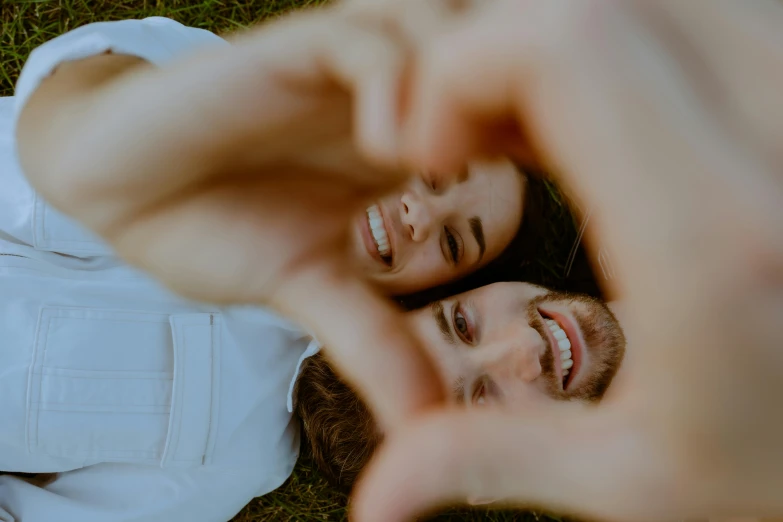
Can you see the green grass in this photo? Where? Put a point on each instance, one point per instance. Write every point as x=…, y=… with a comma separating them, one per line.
x=27, y=24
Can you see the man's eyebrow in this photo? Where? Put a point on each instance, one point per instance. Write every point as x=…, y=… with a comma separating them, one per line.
x=458, y=390
x=440, y=319
x=477, y=229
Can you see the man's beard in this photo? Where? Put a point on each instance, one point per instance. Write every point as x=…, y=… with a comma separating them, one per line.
x=604, y=342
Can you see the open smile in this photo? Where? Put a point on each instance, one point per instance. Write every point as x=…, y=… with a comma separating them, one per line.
x=567, y=346
x=376, y=236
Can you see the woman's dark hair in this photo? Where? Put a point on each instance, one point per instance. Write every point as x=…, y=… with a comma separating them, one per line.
x=537, y=254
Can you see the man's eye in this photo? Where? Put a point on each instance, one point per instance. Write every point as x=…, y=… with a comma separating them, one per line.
x=454, y=245
x=461, y=326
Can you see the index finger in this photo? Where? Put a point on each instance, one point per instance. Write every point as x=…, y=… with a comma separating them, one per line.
x=366, y=338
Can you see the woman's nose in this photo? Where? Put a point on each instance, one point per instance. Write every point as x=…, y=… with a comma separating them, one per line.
x=416, y=216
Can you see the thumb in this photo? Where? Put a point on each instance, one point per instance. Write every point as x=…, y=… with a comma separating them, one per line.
x=570, y=461
x=365, y=337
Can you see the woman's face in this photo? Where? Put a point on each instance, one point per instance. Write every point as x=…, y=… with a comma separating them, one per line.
x=431, y=234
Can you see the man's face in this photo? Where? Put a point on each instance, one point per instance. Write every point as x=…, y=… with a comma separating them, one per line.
x=428, y=235
x=521, y=346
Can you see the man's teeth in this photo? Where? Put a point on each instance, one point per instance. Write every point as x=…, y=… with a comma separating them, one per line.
x=563, y=344
x=378, y=231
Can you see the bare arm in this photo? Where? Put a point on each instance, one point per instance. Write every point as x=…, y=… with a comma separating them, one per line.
x=48, y=118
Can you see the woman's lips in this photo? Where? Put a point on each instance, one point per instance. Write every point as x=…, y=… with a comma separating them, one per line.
x=380, y=231
x=367, y=239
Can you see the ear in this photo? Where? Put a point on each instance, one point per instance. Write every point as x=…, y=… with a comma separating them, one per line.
x=481, y=501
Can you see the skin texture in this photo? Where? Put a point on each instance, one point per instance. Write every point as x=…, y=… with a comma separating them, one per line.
x=662, y=117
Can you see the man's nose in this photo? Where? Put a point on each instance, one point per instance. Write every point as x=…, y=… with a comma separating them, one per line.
x=517, y=360
x=416, y=216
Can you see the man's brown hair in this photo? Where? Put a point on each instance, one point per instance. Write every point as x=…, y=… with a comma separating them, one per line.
x=338, y=429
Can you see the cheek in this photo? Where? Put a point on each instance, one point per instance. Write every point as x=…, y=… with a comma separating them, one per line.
x=445, y=357
x=423, y=267
x=529, y=399
x=434, y=346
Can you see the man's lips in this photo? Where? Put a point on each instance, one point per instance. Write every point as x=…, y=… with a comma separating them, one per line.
x=569, y=326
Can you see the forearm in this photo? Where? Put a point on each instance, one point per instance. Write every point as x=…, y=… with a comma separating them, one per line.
x=171, y=127
x=51, y=118
x=69, y=123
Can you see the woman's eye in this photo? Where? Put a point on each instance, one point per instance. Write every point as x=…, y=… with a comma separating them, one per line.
x=453, y=245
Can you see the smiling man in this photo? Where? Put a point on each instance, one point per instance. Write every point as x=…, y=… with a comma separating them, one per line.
x=516, y=346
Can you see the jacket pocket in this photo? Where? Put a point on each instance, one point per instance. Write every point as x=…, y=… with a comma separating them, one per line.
x=123, y=386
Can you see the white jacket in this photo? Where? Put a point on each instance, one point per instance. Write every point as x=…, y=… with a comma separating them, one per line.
x=152, y=408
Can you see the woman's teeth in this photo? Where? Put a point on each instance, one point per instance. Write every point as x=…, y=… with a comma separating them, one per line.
x=378, y=231
x=563, y=344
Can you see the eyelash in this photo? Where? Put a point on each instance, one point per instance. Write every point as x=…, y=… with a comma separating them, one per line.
x=458, y=313
x=454, y=245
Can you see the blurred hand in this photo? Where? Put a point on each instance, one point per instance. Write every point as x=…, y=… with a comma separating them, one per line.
x=667, y=117
x=233, y=177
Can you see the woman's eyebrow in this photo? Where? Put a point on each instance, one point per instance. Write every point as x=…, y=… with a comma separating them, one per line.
x=477, y=229
x=440, y=320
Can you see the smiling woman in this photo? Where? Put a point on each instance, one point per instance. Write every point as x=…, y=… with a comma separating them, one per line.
x=433, y=233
